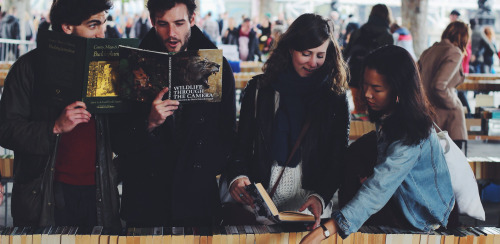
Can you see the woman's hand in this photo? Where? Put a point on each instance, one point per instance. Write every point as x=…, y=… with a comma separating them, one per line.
x=317, y=235
x=238, y=192
x=315, y=207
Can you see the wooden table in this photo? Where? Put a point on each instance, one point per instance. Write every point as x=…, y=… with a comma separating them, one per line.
x=482, y=76
x=483, y=137
x=481, y=82
x=480, y=85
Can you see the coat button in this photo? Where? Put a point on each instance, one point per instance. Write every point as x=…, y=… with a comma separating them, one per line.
x=201, y=120
x=49, y=203
x=199, y=143
x=197, y=165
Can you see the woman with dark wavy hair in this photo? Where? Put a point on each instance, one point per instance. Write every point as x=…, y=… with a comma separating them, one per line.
x=304, y=83
x=411, y=170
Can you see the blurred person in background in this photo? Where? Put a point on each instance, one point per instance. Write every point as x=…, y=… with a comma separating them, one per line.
x=111, y=29
x=265, y=31
x=248, y=44
x=141, y=26
x=211, y=28
x=454, y=15
x=402, y=38
x=231, y=34
x=490, y=50
x=276, y=33
x=375, y=33
x=441, y=71
x=128, y=26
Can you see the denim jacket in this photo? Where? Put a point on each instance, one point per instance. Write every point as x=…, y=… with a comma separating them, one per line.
x=416, y=177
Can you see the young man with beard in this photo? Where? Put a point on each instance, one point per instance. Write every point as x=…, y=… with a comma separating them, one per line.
x=63, y=173
x=169, y=155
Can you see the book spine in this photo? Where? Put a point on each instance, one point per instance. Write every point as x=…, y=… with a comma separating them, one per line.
x=170, y=77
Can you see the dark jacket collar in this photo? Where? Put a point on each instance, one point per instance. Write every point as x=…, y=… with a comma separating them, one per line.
x=197, y=41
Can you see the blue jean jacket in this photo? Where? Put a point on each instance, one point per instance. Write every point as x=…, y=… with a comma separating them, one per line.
x=416, y=177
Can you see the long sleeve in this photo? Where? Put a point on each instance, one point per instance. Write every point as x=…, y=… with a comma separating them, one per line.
x=335, y=154
x=379, y=188
x=443, y=95
x=18, y=131
x=243, y=150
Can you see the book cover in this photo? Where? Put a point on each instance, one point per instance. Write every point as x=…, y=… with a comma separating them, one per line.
x=265, y=207
x=191, y=76
x=81, y=69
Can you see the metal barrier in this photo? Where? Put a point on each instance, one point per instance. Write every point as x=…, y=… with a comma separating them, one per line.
x=11, y=49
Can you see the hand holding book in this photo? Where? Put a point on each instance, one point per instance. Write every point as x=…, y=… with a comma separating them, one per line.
x=70, y=117
x=315, y=207
x=238, y=191
x=161, y=109
x=265, y=207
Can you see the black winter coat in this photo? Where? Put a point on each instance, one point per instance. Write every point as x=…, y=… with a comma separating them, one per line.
x=322, y=148
x=26, y=124
x=169, y=175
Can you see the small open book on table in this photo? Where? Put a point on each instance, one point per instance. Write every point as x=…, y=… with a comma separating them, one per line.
x=265, y=207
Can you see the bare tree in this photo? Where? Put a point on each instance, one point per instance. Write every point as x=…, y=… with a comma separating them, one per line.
x=414, y=16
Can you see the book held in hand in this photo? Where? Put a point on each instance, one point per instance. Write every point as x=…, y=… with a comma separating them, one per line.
x=81, y=69
x=265, y=207
x=191, y=76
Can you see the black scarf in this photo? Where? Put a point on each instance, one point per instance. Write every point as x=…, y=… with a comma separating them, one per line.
x=296, y=94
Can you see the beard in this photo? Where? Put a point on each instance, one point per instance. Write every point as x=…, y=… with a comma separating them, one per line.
x=184, y=40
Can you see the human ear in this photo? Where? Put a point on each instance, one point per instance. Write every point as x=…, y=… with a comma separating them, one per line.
x=68, y=29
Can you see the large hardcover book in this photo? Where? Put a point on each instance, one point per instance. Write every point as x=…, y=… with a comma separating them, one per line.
x=191, y=76
x=81, y=69
x=265, y=207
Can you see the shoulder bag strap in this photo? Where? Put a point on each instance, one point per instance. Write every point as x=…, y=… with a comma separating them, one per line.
x=295, y=147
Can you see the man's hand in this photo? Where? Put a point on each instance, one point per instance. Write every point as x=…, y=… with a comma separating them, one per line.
x=71, y=116
x=238, y=192
x=161, y=109
x=314, y=206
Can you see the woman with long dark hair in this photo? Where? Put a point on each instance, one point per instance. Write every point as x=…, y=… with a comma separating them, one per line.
x=411, y=170
x=304, y=83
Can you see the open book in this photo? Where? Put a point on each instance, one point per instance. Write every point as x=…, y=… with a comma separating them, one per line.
x=191, y=76
x=265, y=207
x=74, y=68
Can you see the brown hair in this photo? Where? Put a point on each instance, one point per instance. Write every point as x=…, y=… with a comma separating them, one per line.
x=308, y=31
x=457, y=32
x=488, y=31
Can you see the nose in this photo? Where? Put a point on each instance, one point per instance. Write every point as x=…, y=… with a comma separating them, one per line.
x=171, y=31
x=313, y=62
x=368, y=94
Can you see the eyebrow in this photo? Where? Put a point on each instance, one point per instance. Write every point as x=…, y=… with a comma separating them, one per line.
x=94, y=21
x=175, y=21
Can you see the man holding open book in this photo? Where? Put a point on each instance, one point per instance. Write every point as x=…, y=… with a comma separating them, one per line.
x=170, y=153
x=63, y=173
